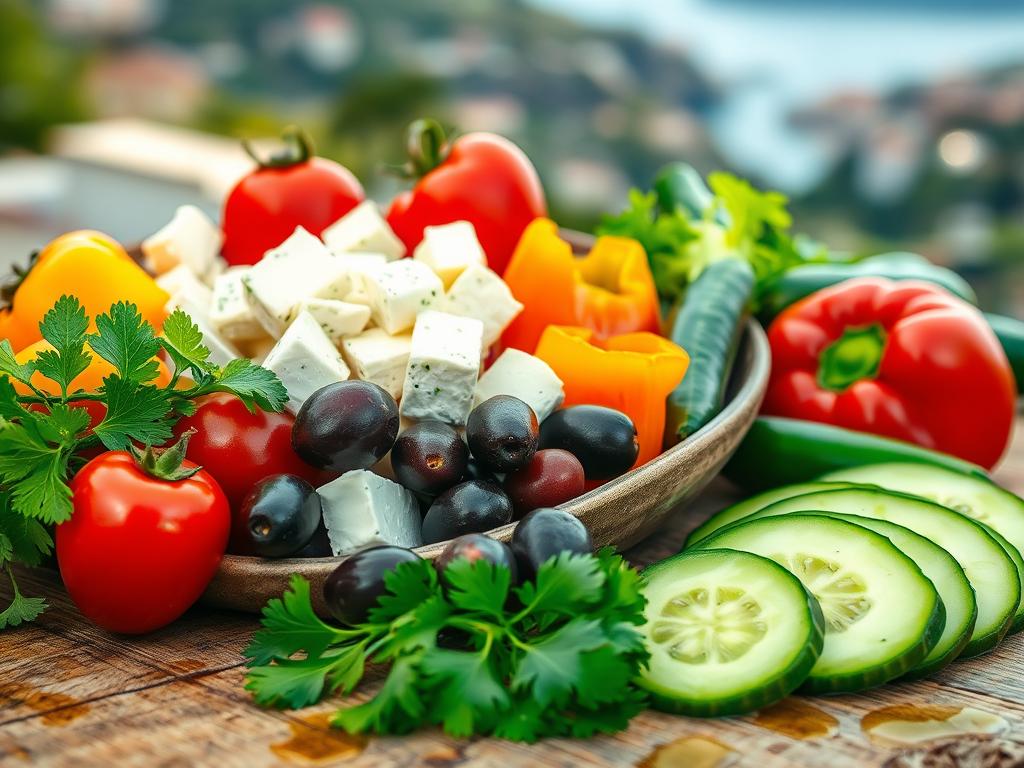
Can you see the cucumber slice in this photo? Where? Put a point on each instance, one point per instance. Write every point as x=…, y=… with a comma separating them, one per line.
x=743, y=508
x=728, y=632
x=990, y=570
x=970, y=495
x=949, y=581
x=882, y=615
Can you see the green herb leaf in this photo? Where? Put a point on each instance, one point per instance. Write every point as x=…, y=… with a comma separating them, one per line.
x=408, y=585
x=35, y=472
x=298, y=683
x=290, y=625
x=564, y=585
x=22, y=610
x=397, y=708
x=11, y=367
x=134, y=412
x=552, y=667
x=126, y=341
x=469, y=694
x=478, y=586
x=254, y=385
x=183, y=341
x=64, y=327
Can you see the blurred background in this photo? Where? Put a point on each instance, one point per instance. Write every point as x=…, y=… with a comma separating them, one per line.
x=889, y=123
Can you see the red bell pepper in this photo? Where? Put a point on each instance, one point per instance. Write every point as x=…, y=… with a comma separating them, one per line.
x=901, y=359
x=481, y=178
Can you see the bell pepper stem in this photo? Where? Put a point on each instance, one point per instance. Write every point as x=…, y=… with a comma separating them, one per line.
x=854, y=356
x=298, y=148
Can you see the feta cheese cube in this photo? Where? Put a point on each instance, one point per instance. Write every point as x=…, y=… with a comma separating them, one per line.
x=478, y=292
x=375, y=356
x=399, y=291
x=182, y=281
x=189, y=239
x=301, y=267
x=524, y=376
x=305, y=360
x=449, y=249
x=338, y=318
x=257, y=349
x=364, y=229
x=362, y=508
x=231, y=311
x=359, y=264
x=444, y=364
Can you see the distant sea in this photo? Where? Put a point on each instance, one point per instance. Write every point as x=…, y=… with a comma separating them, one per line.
x=773, y=56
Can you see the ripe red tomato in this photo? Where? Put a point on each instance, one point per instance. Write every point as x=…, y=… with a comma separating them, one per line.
x=293, y=189
x=138, y=550
x=239, y=448
x=480, y=178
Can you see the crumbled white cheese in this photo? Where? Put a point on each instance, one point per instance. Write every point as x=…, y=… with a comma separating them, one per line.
x=231, y=311
x=364, y=229
x=305, y=360
x=376, y=356
x=524, y=376
x=189, y=239
x=362, y=509
x=449, y=249
x=338, y=318
x=443, y=368
x=478, y=292
x=399, y=291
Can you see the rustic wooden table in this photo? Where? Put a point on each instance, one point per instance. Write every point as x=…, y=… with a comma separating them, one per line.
x=71, y=694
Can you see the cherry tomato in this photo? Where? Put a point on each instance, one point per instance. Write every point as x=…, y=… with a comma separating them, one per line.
x=480, y=178
x=239, y=448
x=139, y=550
x=289, y=190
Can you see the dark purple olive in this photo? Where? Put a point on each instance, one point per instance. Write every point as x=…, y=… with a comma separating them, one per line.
x=471, y=507
x=502, y=433
x=477, y=471
x=477, y=546
x=603, y=439
x=545, y=533
x=355, y=586
x=319, y=545
x=346, y=425
x=429, y=457
x=281, y=514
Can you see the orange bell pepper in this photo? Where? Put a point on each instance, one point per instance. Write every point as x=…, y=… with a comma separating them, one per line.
x=609, y=291
x=92, y=267
x=633, y=373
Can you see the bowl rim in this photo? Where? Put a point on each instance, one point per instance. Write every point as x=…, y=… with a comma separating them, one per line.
x=758, y=354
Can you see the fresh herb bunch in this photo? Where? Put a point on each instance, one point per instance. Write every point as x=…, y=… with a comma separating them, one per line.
x=42, y=435
x=738, y=221
x=552, y=657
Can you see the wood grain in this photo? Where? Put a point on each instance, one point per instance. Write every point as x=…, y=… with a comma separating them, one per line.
x=73, y=695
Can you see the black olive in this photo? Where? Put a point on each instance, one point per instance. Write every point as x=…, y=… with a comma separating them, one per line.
x=545, y=533
x=429, y=457
x=471, y=507
x=281, y=515
x=477, y=546
x=603, y=439
x=346, y=425
x=502, y=433
x=355, y=586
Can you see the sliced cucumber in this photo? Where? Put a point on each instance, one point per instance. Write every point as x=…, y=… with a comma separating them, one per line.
x=990, y=570
x=728, y=632
x=882, y=614
x=743, y=508
x=970, y=495
x=949, y=581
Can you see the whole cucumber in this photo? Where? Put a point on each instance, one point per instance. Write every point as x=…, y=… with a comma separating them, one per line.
x=1010, y=332
x=779, y=451
x=680, y=185
x=708, y=325
x=801, y=281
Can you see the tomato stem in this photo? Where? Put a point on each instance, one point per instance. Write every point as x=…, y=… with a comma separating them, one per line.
x=427, y=146
x=165, y=463
x=854, y=356
x=297, y=149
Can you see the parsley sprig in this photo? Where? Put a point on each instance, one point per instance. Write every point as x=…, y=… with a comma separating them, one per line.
x=738, y=221
x=42, y=434
x=552, y=657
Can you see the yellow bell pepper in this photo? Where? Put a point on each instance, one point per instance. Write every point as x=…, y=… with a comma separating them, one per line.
x=633, y=373
x=89, y=380
x=609, y=291
x=90, y=266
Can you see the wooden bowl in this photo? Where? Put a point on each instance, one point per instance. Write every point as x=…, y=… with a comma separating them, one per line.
x=619, y=513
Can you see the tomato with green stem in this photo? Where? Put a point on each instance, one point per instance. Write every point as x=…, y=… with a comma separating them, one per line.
x=147, y=534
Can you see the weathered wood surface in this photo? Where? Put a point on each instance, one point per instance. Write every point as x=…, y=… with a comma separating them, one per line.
x=71, y=694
